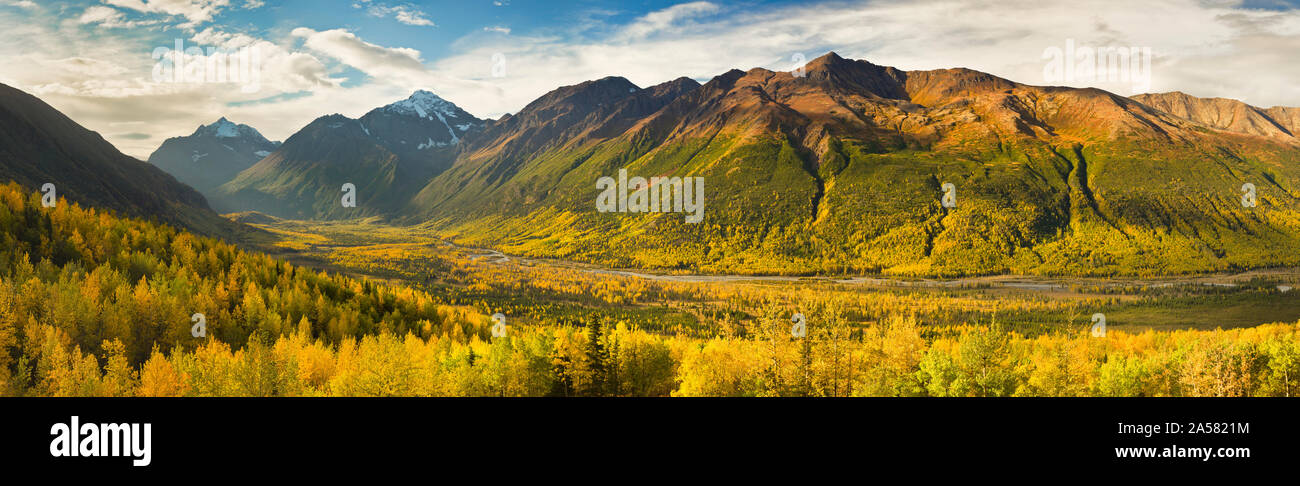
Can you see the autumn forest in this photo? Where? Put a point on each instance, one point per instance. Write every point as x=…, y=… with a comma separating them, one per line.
x=92, y=304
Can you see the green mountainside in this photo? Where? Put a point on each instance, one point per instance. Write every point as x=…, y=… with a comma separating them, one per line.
x=841, y=170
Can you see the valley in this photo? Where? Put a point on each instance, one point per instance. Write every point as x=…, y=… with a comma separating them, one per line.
x=1029, y=304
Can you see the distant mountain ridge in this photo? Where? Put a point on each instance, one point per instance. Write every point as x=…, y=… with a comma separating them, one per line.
x=212, y=155
x=1228, y=114
x=387, y=154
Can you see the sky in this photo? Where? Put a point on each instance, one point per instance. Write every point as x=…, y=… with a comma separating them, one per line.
x=105, y=63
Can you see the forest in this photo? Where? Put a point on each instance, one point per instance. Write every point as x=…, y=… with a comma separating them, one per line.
x=92, y=304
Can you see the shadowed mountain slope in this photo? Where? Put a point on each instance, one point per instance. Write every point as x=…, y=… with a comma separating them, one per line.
x=39, y=145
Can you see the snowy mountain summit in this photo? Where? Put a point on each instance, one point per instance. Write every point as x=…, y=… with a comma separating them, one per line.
x=424, y=105
x=437, y=122
x=213, y=154
x=224, y=128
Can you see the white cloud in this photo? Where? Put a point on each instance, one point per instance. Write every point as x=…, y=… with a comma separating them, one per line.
x=498, y=29
x=102, y=79
x=667, y=18
x=83, y=67
x=109, y=17
x=100, y=14
x=282, y=70
x=405, y=14
x=411, y=17
x=194, y=11
x=375, y=60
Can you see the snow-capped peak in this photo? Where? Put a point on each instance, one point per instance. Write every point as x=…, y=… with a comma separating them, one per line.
x=424, y=119
x=424, y=105
x=224, y=128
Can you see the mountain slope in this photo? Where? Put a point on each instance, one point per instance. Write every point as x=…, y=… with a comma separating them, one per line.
x=841, y=171
x=212, y=155
x=39, y=145
x=388, y=154
x=1225, y=114
x=565, y=122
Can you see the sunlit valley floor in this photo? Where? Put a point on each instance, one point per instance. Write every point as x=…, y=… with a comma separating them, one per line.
x=536, y=290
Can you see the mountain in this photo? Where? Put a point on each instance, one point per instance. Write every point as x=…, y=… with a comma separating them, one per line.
x=415, y=128
x=388, y=155
x=1227, y=114
x=565, y=123
x=212, y=155
x=843, y=169
x=40, y=145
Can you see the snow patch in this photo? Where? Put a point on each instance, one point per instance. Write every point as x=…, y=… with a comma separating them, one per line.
x=454, y=138
x=423, y=104
x=430, y=144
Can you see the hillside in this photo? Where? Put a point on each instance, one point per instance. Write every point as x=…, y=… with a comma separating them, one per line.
x=75, y=280
x=39, y=145
x=841, y=171
x=562, y=121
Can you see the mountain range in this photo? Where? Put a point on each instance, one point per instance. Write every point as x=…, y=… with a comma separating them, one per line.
x=838, y=168
x=842, y=169
x=388, y=154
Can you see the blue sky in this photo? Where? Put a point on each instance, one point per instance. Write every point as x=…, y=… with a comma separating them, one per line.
x=94, y=59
